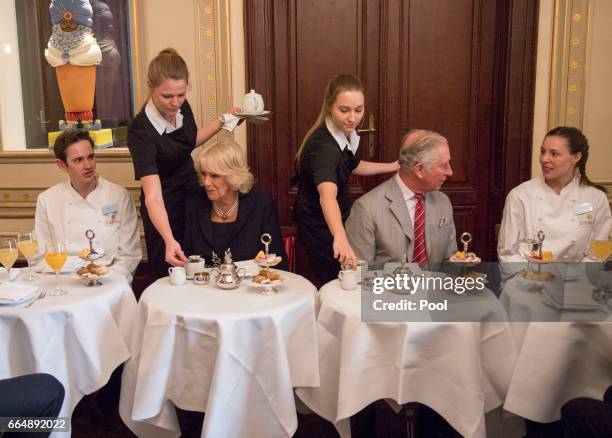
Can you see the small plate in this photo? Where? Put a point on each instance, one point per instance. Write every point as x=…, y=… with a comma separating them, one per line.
x=272, y=261
x=453, y=259
x=92, y=279
x=249, y=114
x=539, y=261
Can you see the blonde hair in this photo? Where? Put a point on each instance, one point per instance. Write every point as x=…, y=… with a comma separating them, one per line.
x=226, y=158
x=342, y=82
x=168, y=64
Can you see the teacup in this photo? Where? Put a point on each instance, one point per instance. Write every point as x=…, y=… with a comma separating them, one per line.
x=362, y=267
x=178, y=275
x=201, y=278
x=252, y=103
x=193, y=265
x=349, y=279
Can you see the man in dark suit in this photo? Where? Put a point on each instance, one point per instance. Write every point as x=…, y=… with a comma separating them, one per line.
x=382, y=223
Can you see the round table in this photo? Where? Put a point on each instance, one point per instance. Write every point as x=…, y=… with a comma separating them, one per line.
x=557, y=361
x=80, y=338
x=460, y=369
x=234, y=354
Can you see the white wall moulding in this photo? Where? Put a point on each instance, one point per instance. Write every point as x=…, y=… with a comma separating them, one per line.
x=569, y=54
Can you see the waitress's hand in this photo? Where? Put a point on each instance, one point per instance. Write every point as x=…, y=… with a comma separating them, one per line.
x=234, y=110
x=174, y=254
x=343, y=252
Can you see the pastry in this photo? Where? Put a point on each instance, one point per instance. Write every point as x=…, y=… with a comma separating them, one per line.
x=260, y=257
x=538, y=276
x=84, y=253
x=266, y=275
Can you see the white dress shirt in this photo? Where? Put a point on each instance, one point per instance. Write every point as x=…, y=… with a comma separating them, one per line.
x=352, y=141
x=569, y=220
x=62, y=214
x=409, y=197
x=158, y=121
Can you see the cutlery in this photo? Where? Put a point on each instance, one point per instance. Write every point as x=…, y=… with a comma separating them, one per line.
x=40, y=296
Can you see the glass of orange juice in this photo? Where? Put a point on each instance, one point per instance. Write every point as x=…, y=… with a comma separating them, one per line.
x=28, y=245
x=600, y=250
x=8, y=254
x=56, y=255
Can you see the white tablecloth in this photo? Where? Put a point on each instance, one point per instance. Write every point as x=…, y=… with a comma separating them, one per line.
x=461, y=370
x=557, y=361
x=79, y=338
x=235, y=354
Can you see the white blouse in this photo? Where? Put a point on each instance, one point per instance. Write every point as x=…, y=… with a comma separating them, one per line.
x=580, y=213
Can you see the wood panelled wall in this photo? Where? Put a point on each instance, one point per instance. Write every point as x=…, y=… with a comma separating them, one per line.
x=464, y=68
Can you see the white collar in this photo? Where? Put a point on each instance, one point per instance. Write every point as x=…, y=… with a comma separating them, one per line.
x=569, y=187
x=160, y=124
x=343, y=142
x=91, y=197
x=406, y=192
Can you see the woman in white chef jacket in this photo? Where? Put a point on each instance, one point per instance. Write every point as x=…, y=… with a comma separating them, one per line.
x=563, y=202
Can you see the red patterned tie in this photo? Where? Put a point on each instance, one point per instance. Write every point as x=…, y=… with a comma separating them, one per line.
x=419, y=253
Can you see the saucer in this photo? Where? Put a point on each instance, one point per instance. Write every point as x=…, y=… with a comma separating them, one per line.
x=252, y=114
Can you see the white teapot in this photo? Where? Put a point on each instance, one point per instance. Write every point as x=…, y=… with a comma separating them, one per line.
x=252, y=103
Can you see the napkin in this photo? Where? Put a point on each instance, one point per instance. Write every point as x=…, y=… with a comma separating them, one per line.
x=249, y=266
x=12, y=293
x=230, y=121
x=14, y=273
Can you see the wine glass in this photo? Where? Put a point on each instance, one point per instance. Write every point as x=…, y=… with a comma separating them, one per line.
x=56, y=255
x=8, y=254
x=599, y=250
x=28, y=245
x=527, y=245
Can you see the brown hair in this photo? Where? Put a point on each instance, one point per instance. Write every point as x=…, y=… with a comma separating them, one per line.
x=67, y=139
x=577, y=143
x=342, y=82
x=168, y=64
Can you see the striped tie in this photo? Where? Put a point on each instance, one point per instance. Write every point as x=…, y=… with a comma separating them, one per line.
x=419, y=253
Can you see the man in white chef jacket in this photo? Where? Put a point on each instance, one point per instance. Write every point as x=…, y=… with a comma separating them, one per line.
x=86, y=201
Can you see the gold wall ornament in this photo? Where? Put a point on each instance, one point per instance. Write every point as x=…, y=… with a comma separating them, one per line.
x=570, y=29
x=210, y=54
x=209, y=33
x=208, y=10
x=211, y=77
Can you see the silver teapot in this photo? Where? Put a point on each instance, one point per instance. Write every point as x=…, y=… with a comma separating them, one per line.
x=403, y=268
x=228, y=274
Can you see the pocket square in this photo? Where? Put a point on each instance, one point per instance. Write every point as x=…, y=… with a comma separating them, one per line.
x=444, y=222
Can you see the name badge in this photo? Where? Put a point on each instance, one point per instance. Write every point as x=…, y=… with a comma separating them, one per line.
x=583, y=208
x=444, y=221
x=110, y=208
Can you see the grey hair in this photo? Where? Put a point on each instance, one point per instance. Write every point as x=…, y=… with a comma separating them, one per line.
x=419, y=146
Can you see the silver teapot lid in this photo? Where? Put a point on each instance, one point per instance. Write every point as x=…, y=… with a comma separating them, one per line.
x=403, y=268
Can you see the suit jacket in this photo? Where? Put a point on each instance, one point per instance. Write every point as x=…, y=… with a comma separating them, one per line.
x=256, y=215
x=380, y=230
